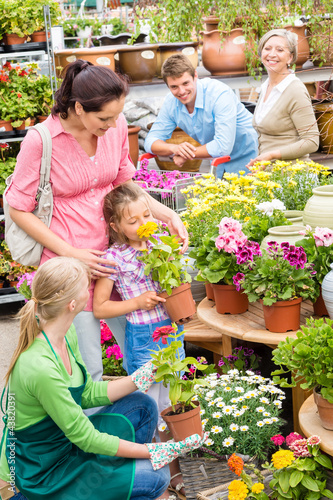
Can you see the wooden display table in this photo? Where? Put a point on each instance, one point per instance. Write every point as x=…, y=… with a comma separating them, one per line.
x=248, y=326
x=310, y=425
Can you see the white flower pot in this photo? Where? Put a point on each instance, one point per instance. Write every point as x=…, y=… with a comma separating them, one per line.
x=327, y=291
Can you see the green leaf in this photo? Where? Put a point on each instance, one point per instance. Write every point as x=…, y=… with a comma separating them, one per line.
x=324, y=460
x=309, y=483
x=327, y=493
x=295, y=478
x=284, y=477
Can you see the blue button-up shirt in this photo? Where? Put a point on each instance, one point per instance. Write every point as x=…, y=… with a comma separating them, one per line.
x=219, y=121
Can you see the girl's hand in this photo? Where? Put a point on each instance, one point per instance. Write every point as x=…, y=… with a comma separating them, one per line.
x=94, y=261
x=148, y=300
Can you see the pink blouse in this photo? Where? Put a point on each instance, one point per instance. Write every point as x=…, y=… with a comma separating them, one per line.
x=78, y=183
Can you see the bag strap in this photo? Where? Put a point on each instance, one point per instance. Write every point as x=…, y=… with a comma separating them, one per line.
x=45, y=166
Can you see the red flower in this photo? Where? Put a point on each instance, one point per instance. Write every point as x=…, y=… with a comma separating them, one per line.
x=7, y=65
x=19, y=95
x=4, y=78
x=4, y=145
x=163, y=333
x=23, y=73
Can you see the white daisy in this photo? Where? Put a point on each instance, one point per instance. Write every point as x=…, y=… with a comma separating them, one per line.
x=239, y=389
x=266, y=414
x=239, y=413
x=211, y=403
x=234, y=400
x=217, y=414
x=244, y=428
x=227, y=410
x=260, y=423
x=227, y=389
x=260, y=409
x=202, y=412
x=274, y=419
x=220, y=404
x=233, y=427
x=277, y=403
x=265, y=401
x=209, y=442
x=216, y=429
x=229, y=441
x=162, y=427
x=267, y=421
x=204, y=421
x=216, y=400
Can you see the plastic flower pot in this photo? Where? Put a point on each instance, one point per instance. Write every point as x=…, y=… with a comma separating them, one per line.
x=325, y=410
x=184, y=424
x=180, y=304
x=283, y=316
x=228, y=300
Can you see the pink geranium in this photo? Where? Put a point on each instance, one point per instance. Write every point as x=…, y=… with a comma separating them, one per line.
x=106, y=333
x=230, y=225
x=163, y=333
x=114, y=350
x=323, y=236
x=231, y=236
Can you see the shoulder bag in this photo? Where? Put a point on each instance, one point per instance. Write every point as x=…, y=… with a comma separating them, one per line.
x=24, y=248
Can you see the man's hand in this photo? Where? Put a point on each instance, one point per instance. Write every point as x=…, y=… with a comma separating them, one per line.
x=179, y=161
x=186, y=150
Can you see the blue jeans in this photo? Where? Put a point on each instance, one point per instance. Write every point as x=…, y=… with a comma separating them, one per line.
x=141, y=411
x=19, y=496
x=139, y=342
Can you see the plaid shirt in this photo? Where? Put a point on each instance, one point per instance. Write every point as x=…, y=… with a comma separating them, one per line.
x=130, y=281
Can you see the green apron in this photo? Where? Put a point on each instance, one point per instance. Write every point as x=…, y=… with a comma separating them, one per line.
x=49, y=466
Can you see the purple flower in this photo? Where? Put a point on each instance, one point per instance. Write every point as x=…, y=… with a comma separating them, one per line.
x=237, y=280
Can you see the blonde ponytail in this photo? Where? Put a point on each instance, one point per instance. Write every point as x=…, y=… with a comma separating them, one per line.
x=55, y=284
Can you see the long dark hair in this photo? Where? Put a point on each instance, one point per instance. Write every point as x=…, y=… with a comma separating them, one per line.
x=91, y=86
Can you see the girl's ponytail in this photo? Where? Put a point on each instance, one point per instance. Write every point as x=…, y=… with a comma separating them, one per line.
x=28, y=331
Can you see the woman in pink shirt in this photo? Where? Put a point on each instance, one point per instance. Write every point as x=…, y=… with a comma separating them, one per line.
x=90, y=156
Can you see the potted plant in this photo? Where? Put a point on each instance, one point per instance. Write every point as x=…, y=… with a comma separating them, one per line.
x=163, y=261
x=15, y=21
x=35, y=11
x=112, y=357
x=308, y=358
x=183, y=417
x=318, y=245
x=13, y=269
x=224, y=252
x=300, y=472
x=281, y=278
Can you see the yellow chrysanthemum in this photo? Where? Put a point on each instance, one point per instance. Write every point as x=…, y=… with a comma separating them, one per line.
x=147, y=229
x=257, y=488
x=237, y=490
x=282, y=458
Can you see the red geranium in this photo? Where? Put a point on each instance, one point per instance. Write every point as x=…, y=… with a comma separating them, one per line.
x=163, y=333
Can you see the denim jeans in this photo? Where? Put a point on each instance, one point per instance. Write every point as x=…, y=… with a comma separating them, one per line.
x=141, y=411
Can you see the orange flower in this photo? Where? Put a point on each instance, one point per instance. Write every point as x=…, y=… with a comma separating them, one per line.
x=236, y=464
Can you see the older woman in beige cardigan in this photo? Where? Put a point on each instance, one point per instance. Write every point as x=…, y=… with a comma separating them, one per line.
x=284, y=117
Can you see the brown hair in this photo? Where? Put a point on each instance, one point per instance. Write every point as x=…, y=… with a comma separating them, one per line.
x=175, y=66
x=288, y=36
x=55, y=284
x=91, y=86
x=114, y=206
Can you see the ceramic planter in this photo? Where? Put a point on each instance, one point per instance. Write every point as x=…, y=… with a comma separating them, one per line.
x=100, y=56
x=303, y=48
x=138, y=61
x=211, y=23
x=283, y=316
x=228, y=300
x=180, y=304
x=318, y=210
x=294, y=216
x=325, y=410
x=281, y=234
x=184, y=424
x=165, y=50
x=327, y=292
x=324, y=115
x=209, y=291
x=228, y=58
x=133, y=140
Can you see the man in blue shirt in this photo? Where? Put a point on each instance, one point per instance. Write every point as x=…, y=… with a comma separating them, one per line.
x=208, y=111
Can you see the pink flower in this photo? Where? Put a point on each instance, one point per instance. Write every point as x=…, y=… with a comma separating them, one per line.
x=113, y=350
x=228, y=243
x=163, y=333
x=323, y=236
x=306, y=231
x=230, y=225
x=106, y=334
x=278, y=439
x=314, y=440
x=300, y=448
x=293, y=436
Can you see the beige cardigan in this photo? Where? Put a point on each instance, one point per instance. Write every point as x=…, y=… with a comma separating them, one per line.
x=290, y=125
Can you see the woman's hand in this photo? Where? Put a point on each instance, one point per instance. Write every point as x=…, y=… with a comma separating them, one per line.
x=93, y=259
x=148, y=300
x=269, y=156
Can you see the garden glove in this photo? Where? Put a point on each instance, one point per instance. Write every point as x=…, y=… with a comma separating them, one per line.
x=144, y=377
x=162, y=454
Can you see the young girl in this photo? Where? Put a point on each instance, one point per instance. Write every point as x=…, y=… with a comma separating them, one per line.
x=125, y=210
x=51, y=449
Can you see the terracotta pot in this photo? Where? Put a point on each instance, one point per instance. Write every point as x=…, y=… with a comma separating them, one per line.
x=133, y=140
x=283, y=233
x=12, y=39
x=319, y=308
x=209, y=291
x=21, y=127
x=211, y=23
x=324, y=115
x=39, y=36
x=165, y=50
x=41, y=118
x=6, y=124
x=138, y=61
x=179, y=136
x=325, y=410
x=283, y=316
x=184, y=424
x=318, y=210
x=100, y=56
x=1, y=283
x=303, y=48
x=13, y=283
x=180, y=304
x=226, y=59
x=228, y=300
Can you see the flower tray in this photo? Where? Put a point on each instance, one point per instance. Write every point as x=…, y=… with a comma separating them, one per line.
x=221, y=492
x=199, y=473
x=23, y=47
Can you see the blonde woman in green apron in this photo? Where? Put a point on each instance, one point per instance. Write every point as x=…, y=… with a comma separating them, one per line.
x=50, y=448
